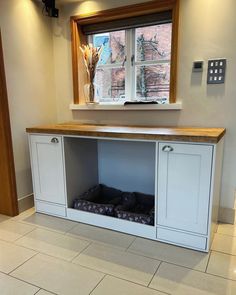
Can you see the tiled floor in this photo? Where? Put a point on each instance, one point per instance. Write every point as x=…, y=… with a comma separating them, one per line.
x=45, y=255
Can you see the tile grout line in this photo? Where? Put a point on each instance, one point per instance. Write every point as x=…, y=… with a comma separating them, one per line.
x=135, y=237
x=71, y=235
x=165, y=261
x=18, y=279
x=142, y=255
x=22, y=263
x=42, y=289
x=109, y=274
x=43, y=253
x=207, y=273
x=132, y=282
x=97, y=284
x=220, y=277
x=24, y=235
x=164, y=293
x=42, y=227
x=229, y=254
x=74, y=226
x=154, y=274
x=47, y=229
x=78, y=254
x=182, y=266
x=208, y=261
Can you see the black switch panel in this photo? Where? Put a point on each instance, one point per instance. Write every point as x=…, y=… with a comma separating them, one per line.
x=216, y=71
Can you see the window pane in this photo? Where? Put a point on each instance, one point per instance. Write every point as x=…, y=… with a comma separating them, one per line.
x=110, y=84
x=113, y=47
x=153, y=42
x=153, y=82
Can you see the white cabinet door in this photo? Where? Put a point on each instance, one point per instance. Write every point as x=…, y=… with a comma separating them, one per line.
x=47, y=168
x=184, y=179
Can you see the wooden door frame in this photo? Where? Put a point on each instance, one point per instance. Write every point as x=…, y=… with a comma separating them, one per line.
x=8, y=192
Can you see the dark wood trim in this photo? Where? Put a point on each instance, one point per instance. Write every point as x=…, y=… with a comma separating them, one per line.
x=77, y=37
x=74, y=49
x=174, y=55
x=124, y=11
x=78, y=70
x=8, y=193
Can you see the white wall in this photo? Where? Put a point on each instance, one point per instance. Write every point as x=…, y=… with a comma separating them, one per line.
x=28, y=57
x=207, y=30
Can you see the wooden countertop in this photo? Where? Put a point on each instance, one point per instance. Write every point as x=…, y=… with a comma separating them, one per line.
x=188, y=134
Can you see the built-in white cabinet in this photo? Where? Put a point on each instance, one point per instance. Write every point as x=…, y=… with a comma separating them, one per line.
x=184, y=183
x=180, y=175
x=48, y=173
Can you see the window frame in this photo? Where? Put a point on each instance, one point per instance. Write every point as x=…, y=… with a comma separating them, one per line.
x=78, y=38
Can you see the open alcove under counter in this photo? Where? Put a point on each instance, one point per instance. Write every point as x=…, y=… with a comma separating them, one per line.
x=128, y=166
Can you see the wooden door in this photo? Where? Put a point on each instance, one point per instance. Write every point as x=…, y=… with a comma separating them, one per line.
x=48, y=169
x=8, y=195
x=184, y=180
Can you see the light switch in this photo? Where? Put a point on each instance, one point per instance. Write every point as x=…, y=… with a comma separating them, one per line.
x=216, y=71
x=198, y=66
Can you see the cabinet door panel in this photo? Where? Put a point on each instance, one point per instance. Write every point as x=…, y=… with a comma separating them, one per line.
x=184, y=176
x=47, y=165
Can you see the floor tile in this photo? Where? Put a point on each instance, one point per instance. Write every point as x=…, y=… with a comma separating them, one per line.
x=53, y=243
x=118, y=263
x=11, y=286
x=100, y=235
x=49, y=222
x=227, y=229
x=12, y=256
x=178, y=280
x=169, y=253
x=43, y=292
x=225, y=244
x=11, y=230
x=114, y=286
x=4, y=218
x=58, y=276
x=24, y=214
x=223, y=265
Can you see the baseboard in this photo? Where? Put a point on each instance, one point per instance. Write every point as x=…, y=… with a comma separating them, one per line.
x=226, y=215
x=26, y=203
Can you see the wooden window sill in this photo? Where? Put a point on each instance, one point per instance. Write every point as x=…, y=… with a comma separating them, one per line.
x=121, y=107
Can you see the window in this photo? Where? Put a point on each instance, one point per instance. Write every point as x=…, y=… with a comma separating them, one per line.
x=140, y=52
x=134, y=65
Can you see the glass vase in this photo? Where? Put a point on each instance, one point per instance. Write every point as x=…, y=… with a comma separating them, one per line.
x=89, y=92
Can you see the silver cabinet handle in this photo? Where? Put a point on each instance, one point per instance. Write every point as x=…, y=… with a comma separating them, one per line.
x=54, y=140
x=167, y=148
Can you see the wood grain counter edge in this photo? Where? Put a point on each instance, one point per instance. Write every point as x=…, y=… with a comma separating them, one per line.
x=187, y=134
